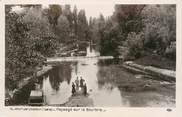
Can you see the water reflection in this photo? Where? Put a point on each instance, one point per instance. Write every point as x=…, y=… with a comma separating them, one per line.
x=59, y=74
x=57, y=86
x=53, y=96
x=101, y=84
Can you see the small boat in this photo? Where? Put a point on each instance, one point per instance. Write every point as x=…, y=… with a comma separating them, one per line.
x=36, y=98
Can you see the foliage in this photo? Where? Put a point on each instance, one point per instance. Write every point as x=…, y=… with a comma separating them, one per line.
x=28, y=42
x=38, y=32
x=63, y=27
x=135, y=44
x=82, y=26
x=160, y=27
x=138, y=28
x=54, y=11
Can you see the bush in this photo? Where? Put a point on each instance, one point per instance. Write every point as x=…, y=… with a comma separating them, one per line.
x=171, y=51
x=135, y=44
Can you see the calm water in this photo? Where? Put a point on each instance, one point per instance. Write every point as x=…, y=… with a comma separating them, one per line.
x=57, y=86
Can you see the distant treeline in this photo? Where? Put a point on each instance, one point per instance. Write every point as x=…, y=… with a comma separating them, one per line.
x=132, y=31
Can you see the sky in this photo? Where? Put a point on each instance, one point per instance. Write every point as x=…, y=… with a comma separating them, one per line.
x=17, y=9
x=91, y=10
x=94, y=10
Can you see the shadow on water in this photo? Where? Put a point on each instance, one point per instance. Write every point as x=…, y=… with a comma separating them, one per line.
x=59, y=74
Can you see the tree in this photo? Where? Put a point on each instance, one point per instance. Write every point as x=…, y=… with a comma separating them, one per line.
x=110, y=39
x=42, y=37
x=129, y=18
x=18, y=59
x=135, y=44
x=97, y=28
x=63, y=29
x=68, y=14
x=75, y=22
x=93, y=30
x=54, y=12
x=160, y=27
x=82, y=26
x=29, y=40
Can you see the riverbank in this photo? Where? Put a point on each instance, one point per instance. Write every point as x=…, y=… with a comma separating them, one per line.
x=21, y=93
x=39, y=73
x=162, y=74
x=134, y=82
x=156, y=61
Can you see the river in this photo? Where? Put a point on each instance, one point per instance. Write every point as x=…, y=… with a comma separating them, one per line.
x=56, y=85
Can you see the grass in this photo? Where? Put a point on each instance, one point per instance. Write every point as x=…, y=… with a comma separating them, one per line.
x=126, y=81
x=156, y=61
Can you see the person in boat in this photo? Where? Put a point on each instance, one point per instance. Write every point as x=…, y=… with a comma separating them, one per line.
x=77, y=83
x=85, y=89
x=81, y=82
x=73, y=88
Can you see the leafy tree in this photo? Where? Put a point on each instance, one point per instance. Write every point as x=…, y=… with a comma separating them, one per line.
x=42, y=37
x=54, y=12
x=135, y=43
x=28, y=41
x=18, y=59
x=63, y=29
x=160, y=27
x=75, y=22
x=82, y=26
x=129, y=17
x=68, y=14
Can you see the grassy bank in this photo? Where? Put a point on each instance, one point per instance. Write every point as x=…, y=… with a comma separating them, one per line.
x=130, y=82
x=156, y=61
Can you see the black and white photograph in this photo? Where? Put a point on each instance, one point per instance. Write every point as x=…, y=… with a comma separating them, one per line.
x=90, y=55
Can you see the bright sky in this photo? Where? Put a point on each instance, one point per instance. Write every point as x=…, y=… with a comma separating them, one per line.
x=95, y=10
x=17, y=9
x=92, y=10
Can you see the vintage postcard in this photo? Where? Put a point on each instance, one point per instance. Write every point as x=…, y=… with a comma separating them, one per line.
x=91, y=58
